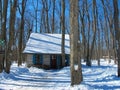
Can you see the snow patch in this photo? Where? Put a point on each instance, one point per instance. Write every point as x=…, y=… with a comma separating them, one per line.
x=102, y=77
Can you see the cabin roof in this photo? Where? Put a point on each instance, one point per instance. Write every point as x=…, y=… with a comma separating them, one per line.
x=46, y=43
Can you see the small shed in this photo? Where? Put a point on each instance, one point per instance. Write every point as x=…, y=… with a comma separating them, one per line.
x=44, y=50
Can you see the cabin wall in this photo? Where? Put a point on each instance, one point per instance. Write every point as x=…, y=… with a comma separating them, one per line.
x=29, y=59
x=46, y=59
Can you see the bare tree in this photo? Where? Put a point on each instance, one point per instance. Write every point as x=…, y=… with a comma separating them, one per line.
x=0, y=16
x=88, y=34
x=3, y=32
x=117, y=31
x=10, y=48
x=106, y=30
x=20, y=45
x=46, y=7
x=53, y=17
x=94, y=24
x=35, y=6
x=63, y=32
x=99, y=47
x=82, y=16
x=76, y=71
x=1, y=56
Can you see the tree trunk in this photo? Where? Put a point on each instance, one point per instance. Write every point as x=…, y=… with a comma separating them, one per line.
x=63, y=33
x=94, y=34
x=0, y=16
x=117, y=31
x=53, y=17
x=99, y=44
x=47, y=17
x=1, y=62
x=3, y=32
x=20, y=45
x=76, y=71
x=13, y=6
x=88, y=42
x=83, y=34
x=36, y=17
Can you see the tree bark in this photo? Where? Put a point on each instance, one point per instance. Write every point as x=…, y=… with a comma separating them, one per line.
x=20, y=45
x=94, y=34
x=3, y=32
x=88, y=39
x=53, y=17
x=36, y=17
x=117, y=31
x=76, y=71
x=106, y=30
x=63, y=33
x=13, y=6
x=0, y=16
x=1, y=62
x=46, y=17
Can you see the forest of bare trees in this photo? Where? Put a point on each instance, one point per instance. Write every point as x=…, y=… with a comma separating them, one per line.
x=95, y=25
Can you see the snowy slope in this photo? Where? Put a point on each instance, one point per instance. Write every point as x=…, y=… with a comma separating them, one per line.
x=95, y=78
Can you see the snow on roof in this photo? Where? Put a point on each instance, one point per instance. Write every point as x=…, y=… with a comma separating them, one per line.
x=46, y=44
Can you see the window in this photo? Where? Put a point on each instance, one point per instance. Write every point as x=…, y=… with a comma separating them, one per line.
x=37, y=59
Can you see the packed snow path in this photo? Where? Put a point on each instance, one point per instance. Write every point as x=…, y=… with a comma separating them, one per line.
x=95, y=77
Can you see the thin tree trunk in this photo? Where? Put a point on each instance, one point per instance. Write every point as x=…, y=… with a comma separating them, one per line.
x=107, y=40
x=60, y=17
x=83, y=34
x=20, y=45
x=53, y=17
x=112, y=33
x=99, y=44
x=1, y=61
x=0, y=16
x=117, y=31
x=47, y=17
x=41, y=19
x=88, y=42
x=36, y=14
x=94, y=30
x=63, y=33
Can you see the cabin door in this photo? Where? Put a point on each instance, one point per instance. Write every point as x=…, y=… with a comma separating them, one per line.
x=53, y=62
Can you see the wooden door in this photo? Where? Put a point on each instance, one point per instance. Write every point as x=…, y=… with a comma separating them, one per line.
x=53, y=62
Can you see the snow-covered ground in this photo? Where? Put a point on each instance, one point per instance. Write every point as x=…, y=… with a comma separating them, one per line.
x=102, y=77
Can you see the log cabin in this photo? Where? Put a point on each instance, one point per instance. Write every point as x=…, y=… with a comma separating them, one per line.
x=44, y=50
